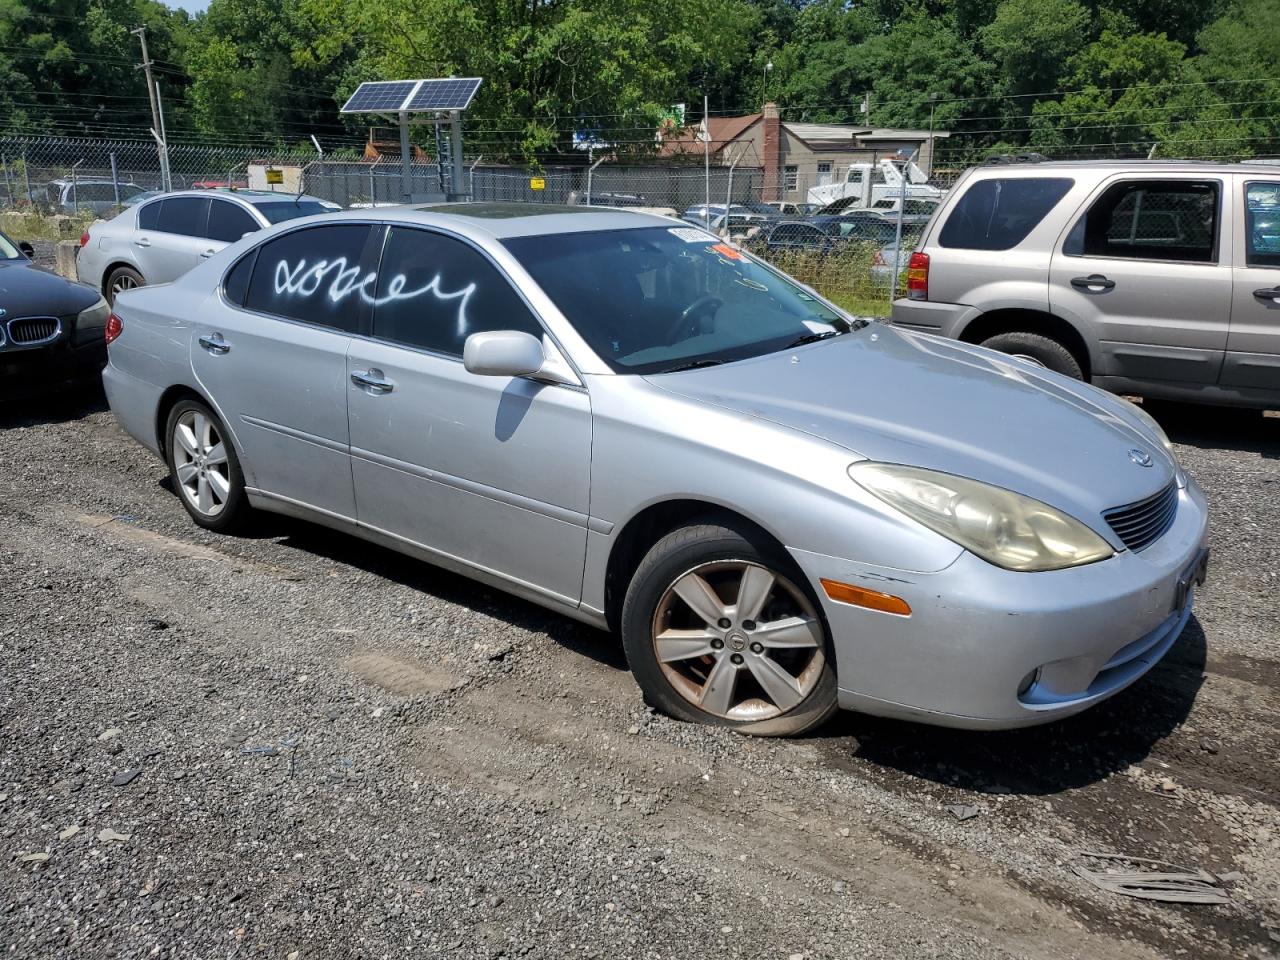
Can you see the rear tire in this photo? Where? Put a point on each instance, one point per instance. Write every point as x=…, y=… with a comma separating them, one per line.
x=769, y=672
x=1039, y=349
x=121, y=279
x=204, y=467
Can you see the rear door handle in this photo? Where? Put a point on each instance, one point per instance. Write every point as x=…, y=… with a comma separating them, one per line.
x=215, y=344
x=1092, y=283
x=373, y=380
x=1268, y=293
x=142, y=242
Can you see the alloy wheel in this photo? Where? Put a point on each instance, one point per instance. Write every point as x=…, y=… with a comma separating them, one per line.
x=200, y=463
x=122, y=283
x=738, y=640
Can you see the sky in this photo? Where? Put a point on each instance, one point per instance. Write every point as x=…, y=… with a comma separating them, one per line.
x=191, y=6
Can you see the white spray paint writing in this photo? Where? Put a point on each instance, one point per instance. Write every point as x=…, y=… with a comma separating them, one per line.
x=304, y=281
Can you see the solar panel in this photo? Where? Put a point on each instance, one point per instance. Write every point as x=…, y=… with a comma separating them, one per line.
x=455, y=93
x=392, y=96
x=379, y=96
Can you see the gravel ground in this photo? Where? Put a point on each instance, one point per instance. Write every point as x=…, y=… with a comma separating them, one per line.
x=292, y=744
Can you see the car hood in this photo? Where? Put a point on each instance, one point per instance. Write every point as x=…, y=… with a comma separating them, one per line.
x=26, y=290
x=901, y=397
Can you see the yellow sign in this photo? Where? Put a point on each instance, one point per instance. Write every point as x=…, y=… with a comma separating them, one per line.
x=275, y=176
x=537, y=183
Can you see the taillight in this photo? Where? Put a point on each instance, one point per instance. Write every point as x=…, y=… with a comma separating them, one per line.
x=84, y=239
x=114, y=328
x=918, y=276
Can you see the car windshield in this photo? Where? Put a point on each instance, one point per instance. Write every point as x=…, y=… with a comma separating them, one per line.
x=8, y=249
x=278, y=211
x=660, y=299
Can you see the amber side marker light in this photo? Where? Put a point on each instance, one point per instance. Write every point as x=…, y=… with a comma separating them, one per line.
x=862, y=597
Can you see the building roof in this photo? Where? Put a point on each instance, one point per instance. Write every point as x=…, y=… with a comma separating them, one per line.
x=723, y=131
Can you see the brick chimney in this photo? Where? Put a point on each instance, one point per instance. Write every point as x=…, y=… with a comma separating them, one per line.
x=772, y=153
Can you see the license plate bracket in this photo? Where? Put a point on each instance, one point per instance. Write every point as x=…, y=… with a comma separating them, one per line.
x=1194, y=575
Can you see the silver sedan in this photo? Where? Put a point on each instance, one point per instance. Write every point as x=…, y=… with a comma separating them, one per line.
x=161, y=238
x=781, y=509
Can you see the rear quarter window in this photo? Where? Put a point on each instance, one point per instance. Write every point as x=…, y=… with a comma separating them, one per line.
x=998, y=213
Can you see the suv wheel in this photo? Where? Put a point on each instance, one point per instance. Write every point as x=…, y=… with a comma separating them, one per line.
x=719, y=628
x=1039, y=349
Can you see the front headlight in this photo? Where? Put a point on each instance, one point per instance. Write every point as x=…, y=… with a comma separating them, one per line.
x=1153, y=426
x=96, y=315
x=1004, y=528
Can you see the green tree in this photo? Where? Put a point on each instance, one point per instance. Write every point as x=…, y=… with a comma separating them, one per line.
x=1029, y=42
x=1241, y=57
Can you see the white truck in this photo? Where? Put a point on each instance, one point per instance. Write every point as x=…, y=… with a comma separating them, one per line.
x=878, y=185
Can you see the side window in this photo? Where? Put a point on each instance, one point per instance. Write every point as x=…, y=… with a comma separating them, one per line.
x=1262, y=224
x=1150, y=220
x=229, y=222
x=433, y=292
x=236, y=284
x=998, y=213
x=313, y=275
x=149, y=215
x=185, y=216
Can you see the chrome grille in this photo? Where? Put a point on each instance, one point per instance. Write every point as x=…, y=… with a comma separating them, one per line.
x=1141, y=524
x=24, y=331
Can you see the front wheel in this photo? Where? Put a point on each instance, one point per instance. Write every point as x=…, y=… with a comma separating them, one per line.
x=203, y=464
x=718, y=629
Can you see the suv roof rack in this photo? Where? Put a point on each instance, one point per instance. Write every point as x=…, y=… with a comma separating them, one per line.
x=1001, y=159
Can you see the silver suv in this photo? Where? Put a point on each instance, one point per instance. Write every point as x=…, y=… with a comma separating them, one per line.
x=1160, y=278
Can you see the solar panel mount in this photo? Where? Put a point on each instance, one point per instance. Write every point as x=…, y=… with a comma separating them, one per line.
x=395, y=96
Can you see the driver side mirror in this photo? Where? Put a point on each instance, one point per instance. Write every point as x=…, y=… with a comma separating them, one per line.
x=502, y=353
x=27, y=250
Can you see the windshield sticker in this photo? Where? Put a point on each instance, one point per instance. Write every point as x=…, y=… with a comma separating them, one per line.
x=690, y=235
x=726, y=251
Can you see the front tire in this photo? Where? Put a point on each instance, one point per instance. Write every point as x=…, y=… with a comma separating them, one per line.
x=202, y=462
x=720, y=628
x=1039, y=349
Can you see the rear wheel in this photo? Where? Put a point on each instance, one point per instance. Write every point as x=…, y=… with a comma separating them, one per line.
x=1038, y=349
x=122, y=279
x=202, y=462
x=719, y=629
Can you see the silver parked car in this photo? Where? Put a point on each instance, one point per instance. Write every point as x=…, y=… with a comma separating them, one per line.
x=1160, y=278
x=162, y=238
x=622, y=417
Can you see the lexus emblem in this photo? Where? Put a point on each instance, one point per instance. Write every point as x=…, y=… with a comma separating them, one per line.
x=1140, y=457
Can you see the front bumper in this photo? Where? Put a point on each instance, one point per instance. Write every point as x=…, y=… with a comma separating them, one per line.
x=976, y=632
x=32, y=371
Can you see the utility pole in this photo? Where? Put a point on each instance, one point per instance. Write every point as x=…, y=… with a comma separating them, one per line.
x=157, y=124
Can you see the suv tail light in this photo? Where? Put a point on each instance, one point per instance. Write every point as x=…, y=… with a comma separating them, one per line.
x=114, y=328
x=84, y=239
x=918, y=276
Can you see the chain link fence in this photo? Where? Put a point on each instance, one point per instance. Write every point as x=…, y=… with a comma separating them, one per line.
x=854, y=251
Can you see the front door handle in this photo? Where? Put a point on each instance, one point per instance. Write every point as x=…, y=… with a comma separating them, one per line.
x=372, y=380
x=1093, y=283
x=214, y=343
x=142, y=242
x=208, y=253
x=1268, y=293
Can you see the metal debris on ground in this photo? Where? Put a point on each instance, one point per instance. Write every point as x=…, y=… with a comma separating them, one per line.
x=33, y=858
x=961, y=811
x=107, y=834
x=1175, y=885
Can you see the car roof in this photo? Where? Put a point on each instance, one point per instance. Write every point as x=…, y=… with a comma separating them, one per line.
x=247, y=196
x=1119, y=166
x=503, y=220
